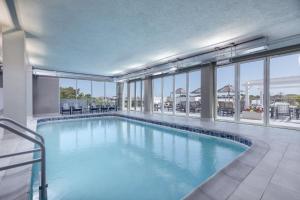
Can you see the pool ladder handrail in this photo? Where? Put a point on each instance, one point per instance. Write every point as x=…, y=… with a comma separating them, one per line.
x=42, y=149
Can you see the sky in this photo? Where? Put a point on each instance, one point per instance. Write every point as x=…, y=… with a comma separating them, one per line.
x=282, y=66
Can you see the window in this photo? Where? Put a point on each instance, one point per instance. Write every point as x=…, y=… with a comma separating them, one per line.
x=132, y=96
x=67, y=89
x=180, y=93
x=98, y=93
x=225, y=92
x=157, y=98
x=195, y=93
x=168, y=94
x=284, y=92
x=138, y=95
x=251, y=91
x=83, y=93
x=110, y=93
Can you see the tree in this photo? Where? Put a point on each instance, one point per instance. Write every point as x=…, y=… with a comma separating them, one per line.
x=67, y=93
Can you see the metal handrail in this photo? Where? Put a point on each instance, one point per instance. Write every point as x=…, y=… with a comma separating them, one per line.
x=43, y=186
x=19, y=153
x=21, y=126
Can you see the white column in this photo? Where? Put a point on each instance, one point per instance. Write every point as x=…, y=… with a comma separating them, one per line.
x=15, y=77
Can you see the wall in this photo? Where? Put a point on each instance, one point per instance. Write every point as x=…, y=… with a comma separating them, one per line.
x=148, y=95
x=1, y=93
x=207, y=92
x=45, y=95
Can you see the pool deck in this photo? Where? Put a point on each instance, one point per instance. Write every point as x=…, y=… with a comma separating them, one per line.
x=269, y=170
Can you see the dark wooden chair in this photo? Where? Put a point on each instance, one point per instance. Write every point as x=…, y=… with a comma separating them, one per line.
x=94, y=108
x=65, y=109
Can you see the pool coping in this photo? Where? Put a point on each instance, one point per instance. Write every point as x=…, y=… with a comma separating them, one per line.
x=224, y=182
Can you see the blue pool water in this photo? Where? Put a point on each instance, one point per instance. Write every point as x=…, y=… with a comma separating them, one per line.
x=116, y=158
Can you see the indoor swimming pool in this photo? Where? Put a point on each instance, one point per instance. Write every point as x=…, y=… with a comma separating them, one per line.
x=118, y=158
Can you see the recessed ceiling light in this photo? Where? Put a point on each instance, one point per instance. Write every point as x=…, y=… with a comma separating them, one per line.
x=157, y=73
x=117, y=72
x=134, y=66
x=172, y=69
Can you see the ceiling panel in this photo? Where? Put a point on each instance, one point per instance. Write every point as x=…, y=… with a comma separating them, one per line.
x=110, y=37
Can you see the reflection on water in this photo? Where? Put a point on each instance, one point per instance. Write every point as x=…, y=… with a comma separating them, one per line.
x=114, y=158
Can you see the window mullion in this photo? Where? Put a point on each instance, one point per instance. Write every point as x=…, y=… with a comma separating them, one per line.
x=134, y=95
x=266, y=82
x=162, y=94
x=187, y=106
x=174, y=95
x=237, y=92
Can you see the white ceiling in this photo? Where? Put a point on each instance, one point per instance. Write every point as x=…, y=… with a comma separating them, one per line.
x=108, y=37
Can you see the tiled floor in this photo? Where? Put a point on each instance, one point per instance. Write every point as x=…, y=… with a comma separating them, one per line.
x=270, y=171
x=294, y=123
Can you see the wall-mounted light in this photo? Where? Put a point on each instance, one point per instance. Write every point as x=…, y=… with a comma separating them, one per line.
x=173, y=69
x=40, y=72
x=254, y=50
x=157, y=73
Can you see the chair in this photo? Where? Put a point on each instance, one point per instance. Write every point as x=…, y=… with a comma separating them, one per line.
x=169, y=106
x=193, y=106
x=104, y=108
x=65, y=108
x=221, y=105
x=272, y=111
x=94, y=107
x=181, y=106
x=157, y=107
x=283, y=110
x=112, y=108
x=225, y=108
x=76, y=108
